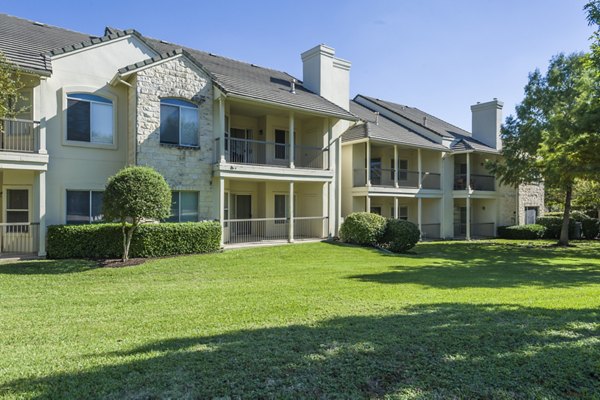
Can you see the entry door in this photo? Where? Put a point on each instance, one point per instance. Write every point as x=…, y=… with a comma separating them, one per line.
x=243, y=210
x=376, y=171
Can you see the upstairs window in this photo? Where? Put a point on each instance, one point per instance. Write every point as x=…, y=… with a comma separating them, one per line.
x=178, y=122
x=89, y=118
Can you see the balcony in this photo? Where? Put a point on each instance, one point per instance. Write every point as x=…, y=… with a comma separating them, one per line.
x=265, y=153
x=257, y=230
x=386, y=177
x=477, y=182
x=19, y=135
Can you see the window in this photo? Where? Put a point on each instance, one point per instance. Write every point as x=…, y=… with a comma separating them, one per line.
x=178, y=122
x=402, y=170
x=280, y=144
x=84, y=206
x=17, y=205
x=375, y=210
x=281, y=208
x=531, y=214
x=403, y=213
x=89, y=118
x=184, y=207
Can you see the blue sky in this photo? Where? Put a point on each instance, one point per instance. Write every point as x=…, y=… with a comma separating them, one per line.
x=440, y=56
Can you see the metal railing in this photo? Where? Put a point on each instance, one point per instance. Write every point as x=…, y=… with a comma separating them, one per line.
x=19, y=238
x=272, y=229
x=478, y=182
x=430, y=231
x=406, y=179
x=19, y=135
x=478, y=230
x=260, y=152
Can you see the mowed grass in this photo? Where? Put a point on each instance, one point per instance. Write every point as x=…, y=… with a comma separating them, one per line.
x=451, y=320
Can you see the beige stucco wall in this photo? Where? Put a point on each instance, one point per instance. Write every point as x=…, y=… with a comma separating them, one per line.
x=82, y=166
x=183, y=168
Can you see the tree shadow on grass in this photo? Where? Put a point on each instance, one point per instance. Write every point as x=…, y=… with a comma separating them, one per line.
x=490, y=265
x=429, y=351
x=47, y=267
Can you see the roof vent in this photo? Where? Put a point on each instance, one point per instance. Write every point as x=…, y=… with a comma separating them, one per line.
x=424, y=121
x=376, y=117
x=39, y=23
x=293, y=86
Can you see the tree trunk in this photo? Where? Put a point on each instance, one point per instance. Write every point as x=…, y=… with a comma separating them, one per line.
x=127, y=235
x=564, y=232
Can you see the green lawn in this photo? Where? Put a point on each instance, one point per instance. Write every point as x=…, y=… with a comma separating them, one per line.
x=451, y=320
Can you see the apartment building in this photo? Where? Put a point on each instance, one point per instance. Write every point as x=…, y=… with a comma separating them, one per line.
x=269, y=155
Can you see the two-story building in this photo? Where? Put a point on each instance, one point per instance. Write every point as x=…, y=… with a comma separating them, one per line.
x=269, y=155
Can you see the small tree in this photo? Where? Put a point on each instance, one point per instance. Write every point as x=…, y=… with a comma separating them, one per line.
x=133, y=196
x=11, y=87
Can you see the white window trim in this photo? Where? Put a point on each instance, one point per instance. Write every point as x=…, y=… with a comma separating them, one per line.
x=179, y=144
x=64, y=91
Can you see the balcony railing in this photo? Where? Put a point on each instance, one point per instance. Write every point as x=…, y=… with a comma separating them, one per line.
x=19, y=238
x=19, y=135
x=273, y=229
x=406, y=179
x=478, y=230
x=478, y=182
x=260, y=152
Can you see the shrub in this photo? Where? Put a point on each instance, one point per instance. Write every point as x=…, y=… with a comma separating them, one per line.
x=522, y=232
x=151, y=240
x=400, y=235
x=578, y=216
x=135, y=194
x=591, y=228
x=553, y=225
x=363, y=228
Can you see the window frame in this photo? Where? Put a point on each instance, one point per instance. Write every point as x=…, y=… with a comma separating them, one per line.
x=179, y=192
x=65, y=91
x=29, y=210
x=90, y=208
x=403, y=172
x=191, y=106
x=400, y=216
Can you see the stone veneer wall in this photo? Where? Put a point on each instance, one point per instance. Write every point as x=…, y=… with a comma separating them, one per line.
x=508, y=205
x=531, y=196
x=183, y=168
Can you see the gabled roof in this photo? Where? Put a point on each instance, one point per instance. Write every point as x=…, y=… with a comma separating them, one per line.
x=384, y=129
x=254, y=82
x=462, y=138
x=26, y=43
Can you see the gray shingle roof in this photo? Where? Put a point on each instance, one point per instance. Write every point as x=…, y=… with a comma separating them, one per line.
x=251, y=81
x=26, y=43
x=385, y=129
x=432, y=123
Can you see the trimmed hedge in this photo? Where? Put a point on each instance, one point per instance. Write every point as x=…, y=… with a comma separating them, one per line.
x=149, y=240
x=578, y=216
x=363, y=228
x=400, y=235
x=522, y=232
x=591, y=228
x=553, y=225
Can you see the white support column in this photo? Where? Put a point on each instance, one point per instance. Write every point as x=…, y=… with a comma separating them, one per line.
x=292, y=141
x=420, y=213
x=469, y=172
x=395, y=208
x=329, y=146
x=420, y=166
x=222, y=208
x=40, y=202
x=368, y=204
x=468, y=201
x=368, y=144
x=291, y=213
x=222, y=130
x=395, y=167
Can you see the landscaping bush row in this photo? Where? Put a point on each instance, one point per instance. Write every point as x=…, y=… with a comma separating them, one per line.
x=367, y=229
x=521, y=232
x=553, y=225
x=591, y=228
x=149, y=240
